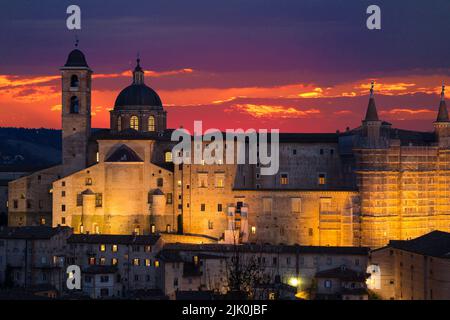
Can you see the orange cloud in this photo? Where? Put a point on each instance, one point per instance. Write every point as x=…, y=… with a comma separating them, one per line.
x=148, y=73
x=268, y=111
x=408, y=111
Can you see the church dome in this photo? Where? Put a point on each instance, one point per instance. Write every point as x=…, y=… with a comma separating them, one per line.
x=76, y=59
x=138, y=95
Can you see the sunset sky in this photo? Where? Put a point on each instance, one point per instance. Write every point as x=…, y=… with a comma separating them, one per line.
x=299, y=66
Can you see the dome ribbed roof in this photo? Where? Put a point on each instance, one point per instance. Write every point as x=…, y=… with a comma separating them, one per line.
x=138, y=95
x=76, y=58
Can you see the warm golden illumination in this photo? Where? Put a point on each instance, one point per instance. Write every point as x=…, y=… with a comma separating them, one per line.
x=134, y=123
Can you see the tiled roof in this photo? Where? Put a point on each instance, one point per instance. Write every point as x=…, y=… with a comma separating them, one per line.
x=99, y=269
x=433, y=244
x=343, y=273
x=30, y=233
x=113, y=239
x=223, y=248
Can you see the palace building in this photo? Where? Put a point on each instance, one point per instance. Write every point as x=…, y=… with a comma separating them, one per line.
x=362, y=187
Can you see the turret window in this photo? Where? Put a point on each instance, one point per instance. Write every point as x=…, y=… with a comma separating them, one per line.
x=134, y=123
x=74, y=83
x=74, y=105
x=151, y=123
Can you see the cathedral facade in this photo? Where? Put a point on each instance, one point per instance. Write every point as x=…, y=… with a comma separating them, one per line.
x=362, y=187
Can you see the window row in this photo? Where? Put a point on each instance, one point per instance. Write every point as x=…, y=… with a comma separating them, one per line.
x=134, y=123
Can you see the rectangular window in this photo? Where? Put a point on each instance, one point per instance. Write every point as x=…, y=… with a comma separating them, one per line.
x=296, y=205
x=15, y=204
x=135, y=262
x=284, y=179
x=159, y=182
x=79, y=200
x=102, y=247
x=267, y=205
x=63, y=193
x=63, y=220
x=321, y=179
x=210, y=225
x=202, y=180
x=148, y=263
x=220, y=180
x=114, y=248
x=104, y=279
x=114, y=261
x=98, y=199
x=41, y=204
x=325, y=205
x=202, y=207
x=169, y=198
x=219, y=207
x=253, y=230
x=63, y=208
x=88, y=181
x=102, y=261
x=91, y=261
x=327, y=284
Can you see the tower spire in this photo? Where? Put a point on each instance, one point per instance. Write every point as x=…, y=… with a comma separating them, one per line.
x=371, y=113
x=443, y=113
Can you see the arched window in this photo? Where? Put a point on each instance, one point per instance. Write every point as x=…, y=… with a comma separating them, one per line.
x=151, y=123
x=119, y=123
x=74, y=105
x=134, y=123
x=74, y=81
x=168, y=156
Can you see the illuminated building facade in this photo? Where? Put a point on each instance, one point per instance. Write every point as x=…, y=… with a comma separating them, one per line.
x=361, y=187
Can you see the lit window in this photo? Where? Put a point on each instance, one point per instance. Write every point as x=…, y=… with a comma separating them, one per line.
x=148, y=248
x=253, y=230
x=179, y=183
x=156, y=263
x=168, y=228
x=220, y=178
x=151, y=123
x=135, y=262
x=152, y=228
x=42, y=221
x=147, y=262
x=102, y=247
x=168, y=156
x=102, y=261
x=88, y=181
x=321, y=178
x=91, y=261
x=97, y=157
x=98, y=199
x=114, y=261
x=114, y=248
x=284, y=179
x=134, y=123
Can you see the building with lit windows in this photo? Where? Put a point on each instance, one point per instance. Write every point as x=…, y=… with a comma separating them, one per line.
x=364, y=186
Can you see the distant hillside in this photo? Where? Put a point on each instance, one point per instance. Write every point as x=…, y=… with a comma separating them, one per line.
x=29, y=148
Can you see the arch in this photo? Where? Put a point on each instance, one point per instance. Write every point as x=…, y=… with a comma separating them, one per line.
x=119, y=123
x=74, y=82
x=74, y=104
x=151, y=123
x=168, y=156
x=134, y=123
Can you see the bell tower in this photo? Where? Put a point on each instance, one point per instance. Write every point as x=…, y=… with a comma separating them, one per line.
x=76, y=111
